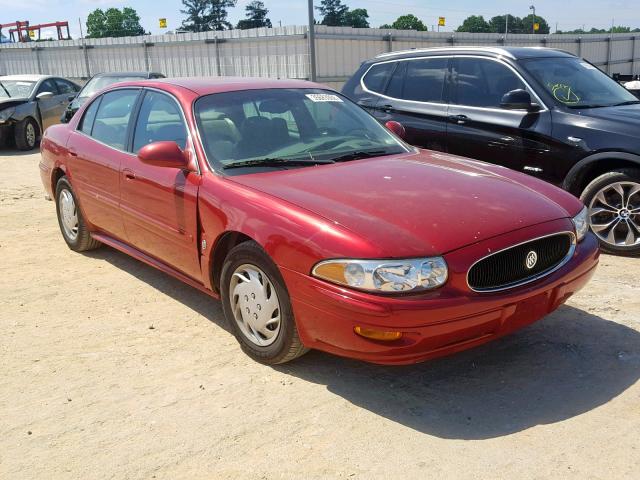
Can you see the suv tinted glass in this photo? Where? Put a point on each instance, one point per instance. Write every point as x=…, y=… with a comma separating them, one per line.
x=112, y=119
x=424, y=80
x=376, y=78
x=159, y=120
x=482, y=83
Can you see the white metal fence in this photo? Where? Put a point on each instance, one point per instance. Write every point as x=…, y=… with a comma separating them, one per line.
x=283, y=52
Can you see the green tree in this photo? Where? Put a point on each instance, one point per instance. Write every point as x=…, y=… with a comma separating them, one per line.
x=334, y=13
x=218, y=13
x=114, y=23
x=474, y=24
x=527, y=24
x=204, y=15
x=357, y=18
x=621, y=29
x=497, y=24
x=407, y=22
x=256, y=16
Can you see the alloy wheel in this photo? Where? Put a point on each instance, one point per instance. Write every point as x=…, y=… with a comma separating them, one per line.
x=30, y=133
x=614, y=214
x=68, y=214
x=255, y=305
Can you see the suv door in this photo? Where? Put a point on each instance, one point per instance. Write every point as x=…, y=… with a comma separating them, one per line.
x=97, y=149
x=159, y=204
x=479, y=128
x=416, y=96
x=49, y=107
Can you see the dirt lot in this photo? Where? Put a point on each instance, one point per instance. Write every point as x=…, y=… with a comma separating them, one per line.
x=110, y=369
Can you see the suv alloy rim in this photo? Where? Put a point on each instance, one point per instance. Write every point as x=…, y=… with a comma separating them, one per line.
x=614, y=214
x=68, y=214
x=255, y=305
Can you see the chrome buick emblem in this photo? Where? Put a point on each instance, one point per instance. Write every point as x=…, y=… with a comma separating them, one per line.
x=531, y=260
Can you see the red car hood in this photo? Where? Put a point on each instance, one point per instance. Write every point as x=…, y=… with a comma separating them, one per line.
x=418, y=203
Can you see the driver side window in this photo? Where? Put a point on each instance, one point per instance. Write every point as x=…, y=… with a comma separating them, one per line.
x=47, y=86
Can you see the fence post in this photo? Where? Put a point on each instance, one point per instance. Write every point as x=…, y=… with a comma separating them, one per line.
x=37, y=50
x=86, y=58
x=579, y=46
x=609, y=48
x=145, y=45
x=390, y=42
x=217, y=48
x=312, y=43
x=634, y=55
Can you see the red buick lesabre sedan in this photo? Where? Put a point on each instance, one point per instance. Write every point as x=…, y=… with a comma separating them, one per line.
x=316, y=226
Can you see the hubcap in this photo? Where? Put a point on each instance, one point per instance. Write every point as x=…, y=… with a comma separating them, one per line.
x=68, y=214
x=614, y=214
x=31, y=135
x=255, y=305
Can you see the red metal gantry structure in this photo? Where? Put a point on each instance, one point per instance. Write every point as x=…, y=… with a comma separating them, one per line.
x=19, y=30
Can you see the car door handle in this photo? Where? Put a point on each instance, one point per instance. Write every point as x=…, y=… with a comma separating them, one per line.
x=459, y=119
x=128, y=174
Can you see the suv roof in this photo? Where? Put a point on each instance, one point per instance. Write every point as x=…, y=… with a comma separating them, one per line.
x=511, y=52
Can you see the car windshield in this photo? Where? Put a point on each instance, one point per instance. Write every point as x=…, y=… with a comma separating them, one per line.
x=273, y=127
x=577, y=84
x=98, y=83
x=15, y=88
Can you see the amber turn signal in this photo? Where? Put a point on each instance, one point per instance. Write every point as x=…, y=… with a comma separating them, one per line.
x=377, y=334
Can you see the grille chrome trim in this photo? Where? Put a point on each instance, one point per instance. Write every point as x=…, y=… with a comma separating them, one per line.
x=562, y=263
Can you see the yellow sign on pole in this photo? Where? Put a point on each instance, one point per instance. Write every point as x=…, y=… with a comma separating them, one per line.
x=536, y=26
x=32, y=34
x=441, y=21
x=163, y=23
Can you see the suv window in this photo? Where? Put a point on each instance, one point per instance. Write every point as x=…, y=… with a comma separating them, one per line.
x=160, y=119
x=112, y=118
x=376, y=78
x=482, y=83
x=86, y=124
x=424, y=80
x=47, y=86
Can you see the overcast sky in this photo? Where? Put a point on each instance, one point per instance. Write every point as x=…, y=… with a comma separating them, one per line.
x=569, y=14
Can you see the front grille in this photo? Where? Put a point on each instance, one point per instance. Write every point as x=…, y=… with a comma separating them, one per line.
x=509, y=268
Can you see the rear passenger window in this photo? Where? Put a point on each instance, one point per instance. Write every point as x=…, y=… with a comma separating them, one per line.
x=482, y=83
x=65, y=87
x=159, y=120
x=377, y=76
x=112, y=118
x=86, y=125
x=424, y=80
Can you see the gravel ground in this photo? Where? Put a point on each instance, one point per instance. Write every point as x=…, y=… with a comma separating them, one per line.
x=111, y=369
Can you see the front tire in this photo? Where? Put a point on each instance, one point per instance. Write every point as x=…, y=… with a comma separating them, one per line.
x=613, y=201
x=26, y=134
x=256, y=304
x=72, y=225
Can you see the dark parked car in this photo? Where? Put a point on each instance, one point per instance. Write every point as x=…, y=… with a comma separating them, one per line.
x=541, y=111
x=29, y=104
x=97, y=83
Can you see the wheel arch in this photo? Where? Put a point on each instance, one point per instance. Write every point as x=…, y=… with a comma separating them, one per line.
x=222, y=246
x=57, y=173
x=591, y=167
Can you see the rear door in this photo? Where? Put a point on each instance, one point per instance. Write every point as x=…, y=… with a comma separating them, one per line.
x=159, y=204
x=416, y=96
x=97, y=150
x=479, y=128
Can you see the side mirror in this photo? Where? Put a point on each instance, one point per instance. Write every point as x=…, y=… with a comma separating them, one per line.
x=518, y=100
x=397, y=128
x=164, y=154
x=71, y=98
x=44, y=95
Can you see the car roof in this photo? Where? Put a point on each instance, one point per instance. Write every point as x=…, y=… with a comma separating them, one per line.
x=209, y=85
x=26, y=78
x=514, y=53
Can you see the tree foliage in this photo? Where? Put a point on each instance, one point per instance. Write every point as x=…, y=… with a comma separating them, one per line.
x=527, y=24
x=256, y=16
x=114, y=23
x=407, y=22
x=474, y=23
x=204, y=15
x=336, y=14
x=357, y=18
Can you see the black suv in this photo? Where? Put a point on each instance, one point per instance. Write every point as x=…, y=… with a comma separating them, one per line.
x=541, y=111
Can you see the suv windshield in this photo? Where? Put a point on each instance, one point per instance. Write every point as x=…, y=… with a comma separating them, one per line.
x=280, y=127
x=577, y=84
x=98, y=83
x=15, y=88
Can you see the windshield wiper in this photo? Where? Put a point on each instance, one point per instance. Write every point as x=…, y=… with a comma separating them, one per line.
x=6, y=91
x=358, y=154
x=276, y=162
x=628, y=102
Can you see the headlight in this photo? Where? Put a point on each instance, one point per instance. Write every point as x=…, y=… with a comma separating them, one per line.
x=581, y=223
x=6, y=114
x=385, y=275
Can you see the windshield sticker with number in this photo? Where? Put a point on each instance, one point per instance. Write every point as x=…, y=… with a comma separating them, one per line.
x=323, y=97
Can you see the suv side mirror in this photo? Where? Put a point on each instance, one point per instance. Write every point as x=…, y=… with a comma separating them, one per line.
x=397, y=128
x=518, y=100
x=44, y=95
x=164, y=154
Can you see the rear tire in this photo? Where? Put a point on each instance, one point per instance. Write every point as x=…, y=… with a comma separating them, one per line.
x=72, y=225
x=613, y=200
x=26, y=134
x=256, y=304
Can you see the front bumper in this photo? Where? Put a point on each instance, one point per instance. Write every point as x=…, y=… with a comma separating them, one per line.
x=437, y=323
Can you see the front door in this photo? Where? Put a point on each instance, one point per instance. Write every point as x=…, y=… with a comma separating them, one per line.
x=49, y=106
x=159, y=204
x=479, y=128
